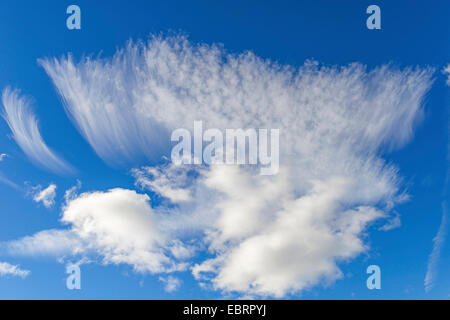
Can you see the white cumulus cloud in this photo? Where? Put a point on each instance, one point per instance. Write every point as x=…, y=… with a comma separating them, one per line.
x=266, y=235
x=119, y=226
x=270, y=250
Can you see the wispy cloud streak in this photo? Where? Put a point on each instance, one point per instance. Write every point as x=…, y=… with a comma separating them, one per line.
x=25, y=131
x=8, y=182
x=438, y=242
x=439, y=239
x=7, y=269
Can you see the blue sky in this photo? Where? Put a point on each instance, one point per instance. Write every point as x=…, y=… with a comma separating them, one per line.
x=413, y=34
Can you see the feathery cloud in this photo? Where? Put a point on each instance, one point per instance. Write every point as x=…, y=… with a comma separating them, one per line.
x=439, y=239
x=127, y=105
x=433, y=260
x=268, y=235
x=25, y=131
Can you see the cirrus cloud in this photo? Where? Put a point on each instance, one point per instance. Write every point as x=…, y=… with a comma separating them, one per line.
x=267, y=235
x=25, y=131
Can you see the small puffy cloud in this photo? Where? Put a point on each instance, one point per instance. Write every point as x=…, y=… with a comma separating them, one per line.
x=25, y=131
x=46, y=196
x=171, y=283
x=3, y=156
x=7, y=269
